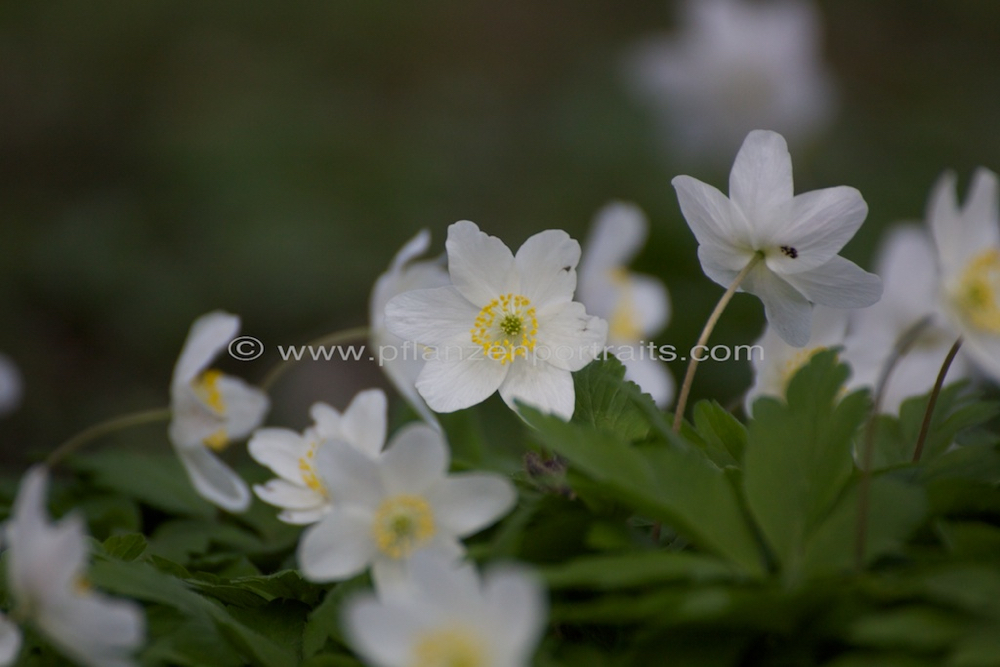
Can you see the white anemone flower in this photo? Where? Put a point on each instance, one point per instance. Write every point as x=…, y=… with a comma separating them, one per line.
x=734, y=66
x=450, y=616
x=635, y=306
x=395, y=505
x=796, y=238
x=210, y=410
x=506, y=323
x=906, y=264
x=775, y=362
x=298, y=488
x=46, y=568
x=11, y=385
x=402, y=360
x=968, y=250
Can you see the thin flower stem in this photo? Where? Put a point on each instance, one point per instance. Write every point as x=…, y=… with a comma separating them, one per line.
x=335, y=338
x=902, y=346
x=713, y=319
x=932, y=401
x=105, y=428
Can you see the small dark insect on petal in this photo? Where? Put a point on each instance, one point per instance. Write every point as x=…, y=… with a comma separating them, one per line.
x=789, y=251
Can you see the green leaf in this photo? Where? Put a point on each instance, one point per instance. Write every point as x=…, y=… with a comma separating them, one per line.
x=798, y=456
x=918, y=628
x=608, y=402
x=637, y=569
x=671, y=482
x=724, y=436
x=125, y=547
x=324, y=621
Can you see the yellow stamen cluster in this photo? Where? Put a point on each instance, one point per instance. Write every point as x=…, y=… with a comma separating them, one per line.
x=450, y=647
x=402, y=524
x=978, y=293
x=506, y=328
x=307, y=468
x=206, y=388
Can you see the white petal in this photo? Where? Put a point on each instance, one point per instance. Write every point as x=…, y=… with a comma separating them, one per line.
x=785, y=308
x=10, y=641
x=547, y=266
x=719, y=266
x=246, y=406
x=984, y=350
x=760, y=182
x=443, y=579
x=304, y=517
x=209, y=334
x=540, y=385
x=651, y=302
x=383, y=634
x=93, y=629
x=962, y=234
x=436, y=317
x=617, y=235
x=284, y=494
x=568, y=338
x=516, y=603
x=945, y=223
x=326, y=419
x=280, y=450
x=402, y=364
x=214, y=480
x=653, y=377
x=416, y=458
x=714, y=220
x=481, y=266
x=466, y=503
x=338, y=547
x=350, y=476
x=819, y=224
x=840, y=283
x=364, y=421
x=412, y=249
x=451, y=384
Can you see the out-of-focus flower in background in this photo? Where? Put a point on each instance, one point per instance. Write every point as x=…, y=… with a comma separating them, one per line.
x=11, y=385
x=906, y=264
x=734, y=66
x=401, y=360
x=447, y=614
x=635, y=306
x=210, y=410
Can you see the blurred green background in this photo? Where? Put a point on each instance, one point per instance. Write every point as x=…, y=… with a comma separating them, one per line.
x=162, y=159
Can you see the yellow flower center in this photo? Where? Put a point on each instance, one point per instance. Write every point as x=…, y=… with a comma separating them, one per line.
x=452, y=647
x=402, y=524
x=206, y=388
x=624, y=322
x=506, y=328
x=307, y=468
x=978, y=293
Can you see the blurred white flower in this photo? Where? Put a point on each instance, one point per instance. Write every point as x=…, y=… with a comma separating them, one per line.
x=735, y=66
x=796, y=237
x=46, y=569
x=505, y=323
x=298, y=488
x=402, y=360
x=635, y=306
x=210, y=410
x=449, y=616
x=907, y=266
x=389, y=507
x=777, y=361
x=11, y=385
x=968, y=250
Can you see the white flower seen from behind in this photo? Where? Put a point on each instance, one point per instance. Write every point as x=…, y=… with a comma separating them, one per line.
x=448, y=615
x=794, y=240
x=298, y=488
x=46, y=576
x=11, y=385
x=402, y=360
x=389, y=507
x=506, y=323
x=210, y=410
x=635, y=306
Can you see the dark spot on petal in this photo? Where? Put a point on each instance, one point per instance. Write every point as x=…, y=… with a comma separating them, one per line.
x=567, y=269
x=789, y=251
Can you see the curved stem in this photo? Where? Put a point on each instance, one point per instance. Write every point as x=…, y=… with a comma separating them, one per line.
x=713, y=319
x=335, y=338
x=932, y=401
x=902, y=346
x=105, y=428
